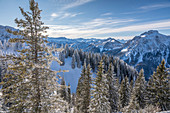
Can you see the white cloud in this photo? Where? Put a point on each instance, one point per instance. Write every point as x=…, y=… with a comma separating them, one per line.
x=155, y=6
x=63, y=15
x=106, y=14
x=54, y=15
x=69, y=15
x=89, y=31
x=76, y=3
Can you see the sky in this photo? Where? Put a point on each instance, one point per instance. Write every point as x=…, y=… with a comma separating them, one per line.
x=119, y=19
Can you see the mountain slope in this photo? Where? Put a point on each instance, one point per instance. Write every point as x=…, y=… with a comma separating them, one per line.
x=147, y=51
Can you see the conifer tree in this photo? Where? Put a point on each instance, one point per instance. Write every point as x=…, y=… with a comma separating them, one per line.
x=83, y=90
x=66, y=51
x=73, y=62
x=69, y=94
x=100, y=94
x=80, y=91
x=113, y=88
x=87, y=85
x=124, y=93
x=158, y=92
x=30, y=85
x=137, y=97
x=62, y=58
x=63, y=89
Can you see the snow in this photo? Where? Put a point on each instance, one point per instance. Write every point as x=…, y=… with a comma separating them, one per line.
x=70, y=77
x=124, y=50
x=113, y=41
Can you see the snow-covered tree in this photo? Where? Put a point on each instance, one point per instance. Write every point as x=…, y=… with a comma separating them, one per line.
x=69, y=94
x=66, y=51
x=30, y=85
x=62, y=58
x=83, y=90
x=158, y=92
x=100, y=94
x=124, y=93
x=113, y=88
x=137, y=100
x=63, y=90
x=73, y=65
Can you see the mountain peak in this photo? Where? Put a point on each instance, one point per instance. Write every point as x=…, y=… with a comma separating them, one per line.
x=150, y=32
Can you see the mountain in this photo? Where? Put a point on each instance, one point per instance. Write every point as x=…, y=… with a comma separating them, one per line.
x=93, y=45
x=4, y=35
x=146, y=51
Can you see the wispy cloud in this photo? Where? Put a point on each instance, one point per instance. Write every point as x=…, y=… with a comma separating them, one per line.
x=106, y=14
x=76, y=3
x=63, y=15
x=154, y=6
x=77, y=31
x=147, y=8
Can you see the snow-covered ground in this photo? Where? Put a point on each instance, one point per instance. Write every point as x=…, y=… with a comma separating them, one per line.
x=70, y=77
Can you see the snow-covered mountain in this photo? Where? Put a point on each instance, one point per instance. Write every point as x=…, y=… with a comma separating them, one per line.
x=146, y=51
x=93, y=45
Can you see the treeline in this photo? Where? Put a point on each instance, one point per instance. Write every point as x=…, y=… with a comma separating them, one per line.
x=79, y=57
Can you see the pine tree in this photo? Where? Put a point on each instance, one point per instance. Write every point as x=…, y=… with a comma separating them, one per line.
x=124, y=93
x=30, y=85
x=63, y=93
x=87, y=85
x=83, y=90
x=131, y=87
x=100, y=102
x=158, y=92
x=66, y=51
x=69, y=94
x=73, y=62
x=137, y=98
x=62, y=58
x=113, y=88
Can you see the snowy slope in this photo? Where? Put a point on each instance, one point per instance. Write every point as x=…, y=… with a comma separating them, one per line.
x=70, y=77
x=147, y=51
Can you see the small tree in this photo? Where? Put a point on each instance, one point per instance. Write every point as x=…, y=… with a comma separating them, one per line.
x=124, y=93
x=73, y=62
x=62, y=58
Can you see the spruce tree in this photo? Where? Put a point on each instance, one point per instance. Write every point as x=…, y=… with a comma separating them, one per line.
x=158, y=92
x=63, y=89
x=30, y=85
x=113, y=88
x=83, y=90
x=124, y=93
x=100, y=94
x=80, y=91
x=62, y=58
x=69, y=94
x=137, y=97
x=73, y=62
x=66, y=51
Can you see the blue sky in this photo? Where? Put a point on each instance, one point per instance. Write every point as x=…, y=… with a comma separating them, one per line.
x=120, y=19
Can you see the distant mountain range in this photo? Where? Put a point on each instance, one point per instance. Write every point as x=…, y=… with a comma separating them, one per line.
x=143, y=51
